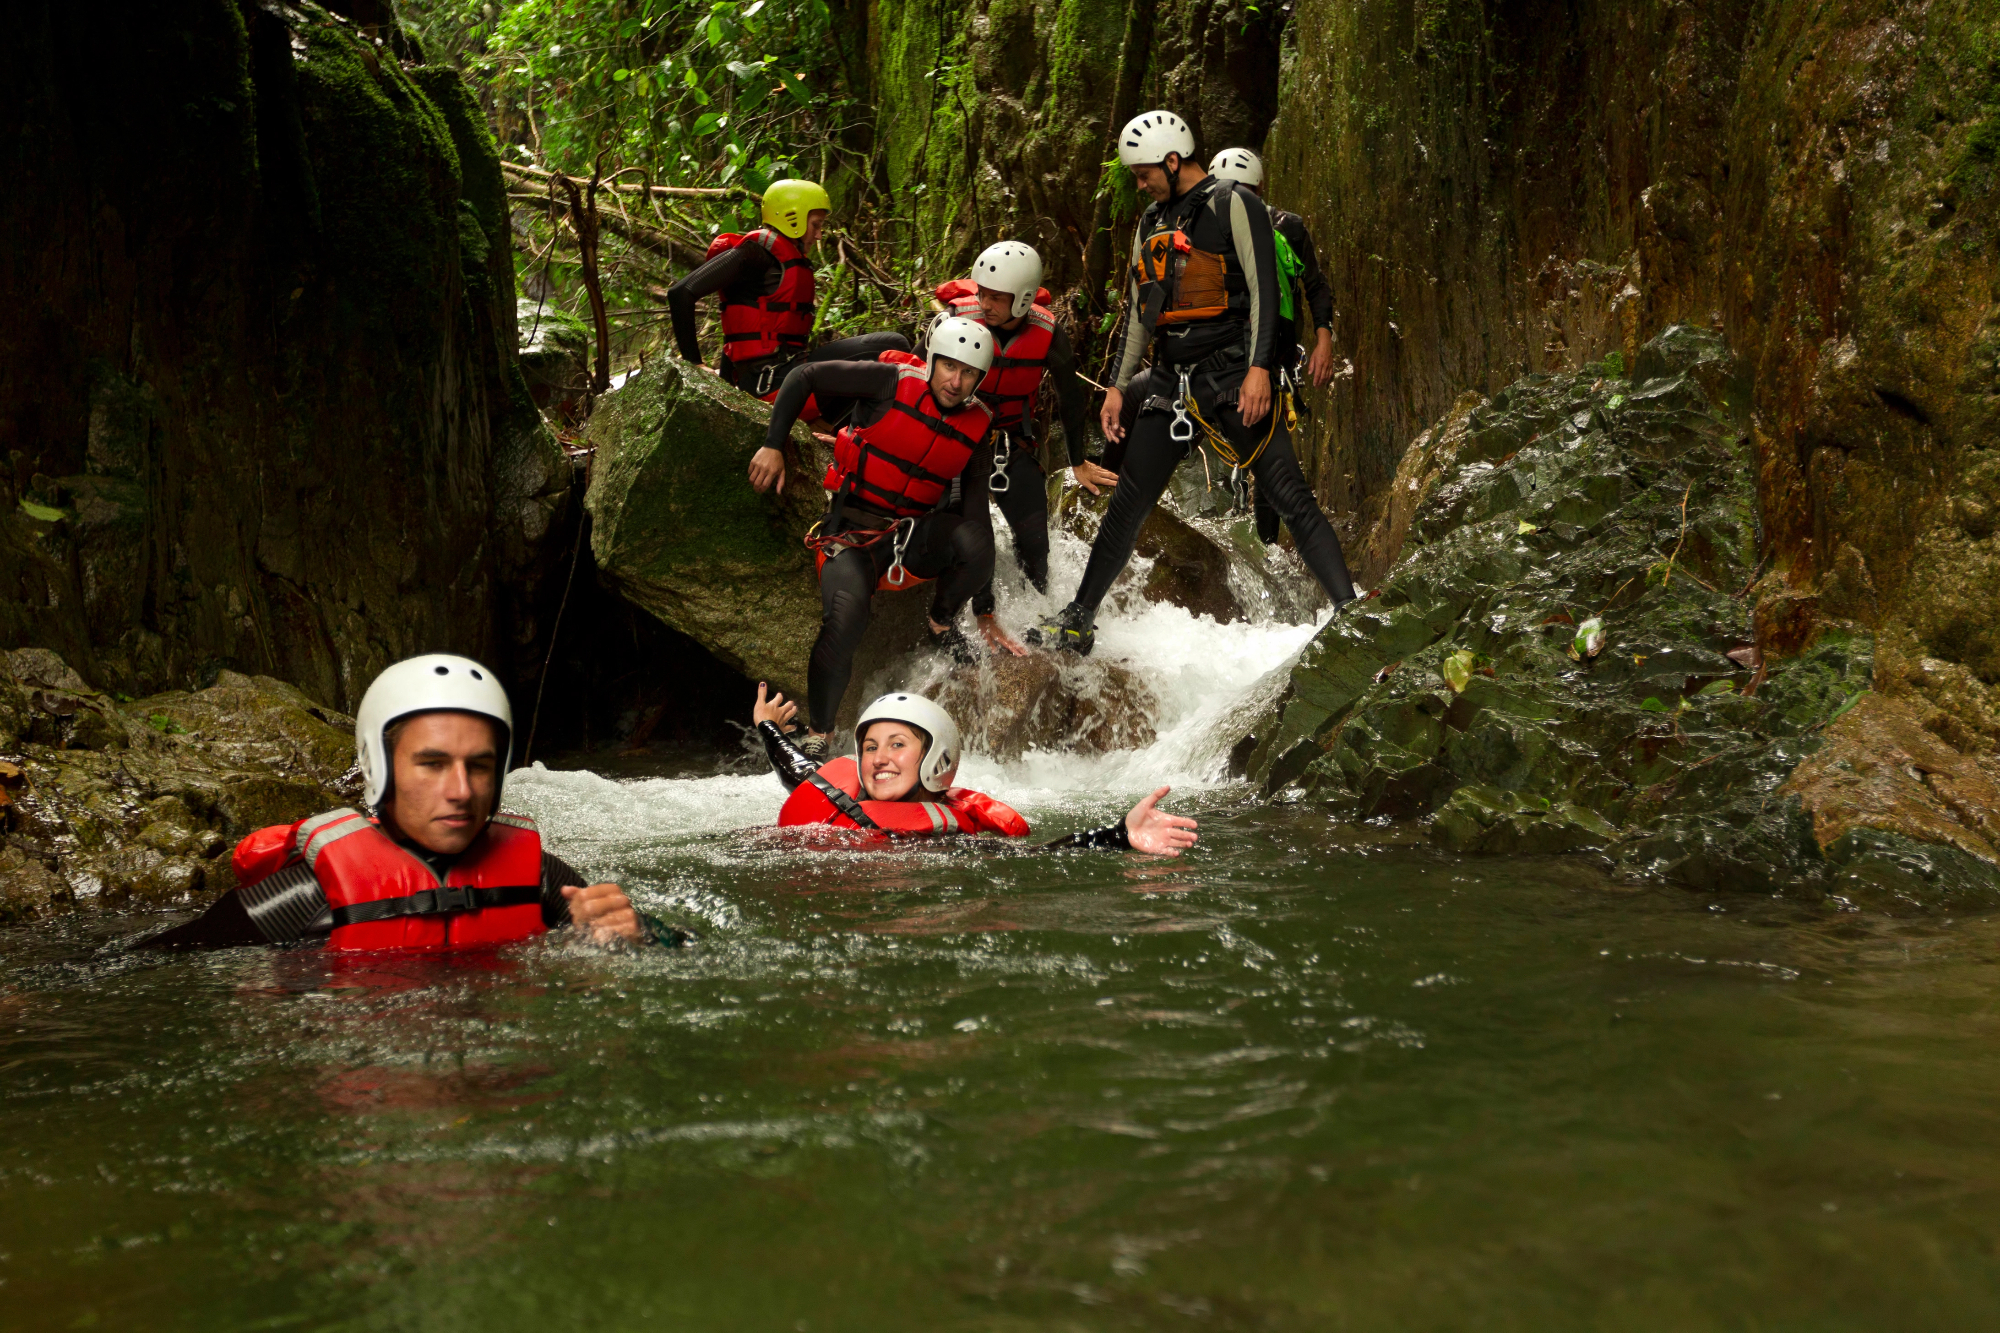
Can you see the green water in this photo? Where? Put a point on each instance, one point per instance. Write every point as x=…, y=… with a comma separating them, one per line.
x=1300, y=1080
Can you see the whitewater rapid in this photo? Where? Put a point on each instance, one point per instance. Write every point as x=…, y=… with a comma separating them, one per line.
x=1209, y=680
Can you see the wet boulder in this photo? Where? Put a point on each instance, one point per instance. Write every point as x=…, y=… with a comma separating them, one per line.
x=110, y=803
x=677, y=531
x=1571, y=650
x=1007, y=706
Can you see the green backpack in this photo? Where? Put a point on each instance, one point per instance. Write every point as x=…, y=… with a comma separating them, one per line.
x=1289, y=269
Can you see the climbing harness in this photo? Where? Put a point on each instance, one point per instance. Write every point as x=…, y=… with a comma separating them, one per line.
x=826, y=545
x=1187, y=414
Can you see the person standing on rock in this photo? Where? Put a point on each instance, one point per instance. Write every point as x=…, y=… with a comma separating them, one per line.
x=909, y=503
x=437, y=866
x=899, y=783
x=768, y=296
x=1204, y=297
x=1005, y=294
x=1299, y=269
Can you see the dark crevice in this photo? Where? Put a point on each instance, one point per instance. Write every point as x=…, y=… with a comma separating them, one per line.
x=1902, y=406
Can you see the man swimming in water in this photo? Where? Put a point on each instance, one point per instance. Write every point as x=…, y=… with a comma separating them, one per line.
x=436, y=867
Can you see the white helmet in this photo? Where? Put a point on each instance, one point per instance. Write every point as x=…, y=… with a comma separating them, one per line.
x=1239, y=164
x=961, y=339
x=1010, y=267
x=940, y=762
x=1147, y=139
x=432, y=683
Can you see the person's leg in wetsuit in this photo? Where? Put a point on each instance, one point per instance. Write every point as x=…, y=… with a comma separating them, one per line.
x=943, y=546
x=1266, y=512
x=1150, y=457
x=1025, y=506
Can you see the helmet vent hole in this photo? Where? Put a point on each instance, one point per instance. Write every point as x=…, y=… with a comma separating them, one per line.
x=442, y=671
x=477, y=676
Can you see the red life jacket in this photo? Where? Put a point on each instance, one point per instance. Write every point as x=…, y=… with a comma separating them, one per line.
x=957, y=811
x=1016, y=378
x=774, y=327
x=903, y=465
x=384, y=897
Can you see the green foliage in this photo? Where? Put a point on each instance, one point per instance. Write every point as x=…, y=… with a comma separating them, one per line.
x=696, y=92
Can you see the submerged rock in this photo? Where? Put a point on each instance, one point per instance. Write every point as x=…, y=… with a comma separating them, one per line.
x=110, y=803
x=1007, y=706
x=1569, y=652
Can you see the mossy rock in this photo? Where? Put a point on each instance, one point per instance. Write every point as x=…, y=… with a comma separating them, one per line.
x=1472, y=689
x=138, y=803
x=678, y=532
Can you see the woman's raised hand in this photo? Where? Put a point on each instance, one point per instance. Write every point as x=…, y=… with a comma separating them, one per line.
x=774, y=709
x=1151, y=829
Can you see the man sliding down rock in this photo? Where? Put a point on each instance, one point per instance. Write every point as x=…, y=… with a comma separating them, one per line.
x=1204, y=297
x=768, y=297
x=435, y=868
x=1298, y=267
x=909, y=504
x=1005, y=294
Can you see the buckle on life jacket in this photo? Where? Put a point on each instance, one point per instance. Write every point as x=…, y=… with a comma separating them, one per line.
x=1182, y=429
x=453, y=898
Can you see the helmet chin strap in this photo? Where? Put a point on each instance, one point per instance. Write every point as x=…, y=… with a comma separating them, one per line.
x=1174, y=190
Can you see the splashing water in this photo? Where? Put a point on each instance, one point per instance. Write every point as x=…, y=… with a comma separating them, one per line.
x=1208, y=679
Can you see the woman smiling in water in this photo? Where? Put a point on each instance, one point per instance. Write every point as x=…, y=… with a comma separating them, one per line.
x=908, y=752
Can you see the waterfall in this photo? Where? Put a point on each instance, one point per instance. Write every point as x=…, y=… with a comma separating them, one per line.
x=1205, y=681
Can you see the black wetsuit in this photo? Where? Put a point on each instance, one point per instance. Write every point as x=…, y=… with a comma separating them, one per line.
x=1025, y=502
x=289, y=907
x=1319, y=307
x=1220, y=218
x=794, y=767
x=952, y=543
x=745, y=274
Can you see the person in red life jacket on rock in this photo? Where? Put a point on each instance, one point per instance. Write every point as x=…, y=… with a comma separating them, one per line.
x=909, y=496
x=768, y=297
x=436, y=868
x=899, y=784
x=1005, y=294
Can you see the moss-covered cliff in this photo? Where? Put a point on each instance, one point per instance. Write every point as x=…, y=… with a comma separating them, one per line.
x=994, y=118
x=259, y=406
x=1499, y=190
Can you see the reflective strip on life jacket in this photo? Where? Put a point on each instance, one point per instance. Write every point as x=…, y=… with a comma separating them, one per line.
x=904, y=464
x=777, y=324
x=382, y=896
x=956, y=811
x=1011, y=386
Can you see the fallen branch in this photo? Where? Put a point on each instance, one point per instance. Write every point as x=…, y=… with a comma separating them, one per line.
x=539, y=176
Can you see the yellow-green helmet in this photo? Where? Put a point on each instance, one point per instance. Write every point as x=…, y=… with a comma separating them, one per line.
x=786, y=204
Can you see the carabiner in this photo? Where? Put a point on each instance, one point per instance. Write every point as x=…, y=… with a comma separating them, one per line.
x=1003, y=454
x=903, y=528
x=1182, y=429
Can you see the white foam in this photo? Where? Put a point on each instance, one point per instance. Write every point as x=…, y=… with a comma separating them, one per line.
x=1205, y=675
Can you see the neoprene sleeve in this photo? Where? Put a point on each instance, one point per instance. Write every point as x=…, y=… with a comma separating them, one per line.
x=751, y=267
x=863, y=389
